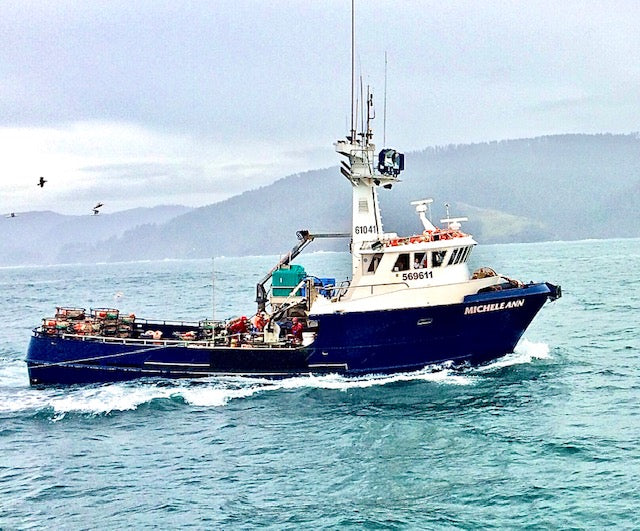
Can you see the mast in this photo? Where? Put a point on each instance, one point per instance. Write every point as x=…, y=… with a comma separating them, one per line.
x=361, y=171
x=384, y=114
x=353, y=65
x=213, y=288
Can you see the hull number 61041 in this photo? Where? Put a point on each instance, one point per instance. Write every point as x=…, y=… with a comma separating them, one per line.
x=364, y=229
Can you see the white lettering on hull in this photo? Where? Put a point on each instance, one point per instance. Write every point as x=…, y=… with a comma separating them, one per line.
x=494, y=307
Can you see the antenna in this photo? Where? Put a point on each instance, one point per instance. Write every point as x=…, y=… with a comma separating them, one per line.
x=452, y=223
x=353, y=67
x=361, y=104
x=357, y=108
x=384, y=118
x=213, y=288
x=371, y=115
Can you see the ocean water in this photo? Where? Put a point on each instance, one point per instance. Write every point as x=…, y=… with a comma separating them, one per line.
x=547, y=437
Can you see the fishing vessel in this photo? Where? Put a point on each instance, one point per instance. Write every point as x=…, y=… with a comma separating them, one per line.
x=411, y=302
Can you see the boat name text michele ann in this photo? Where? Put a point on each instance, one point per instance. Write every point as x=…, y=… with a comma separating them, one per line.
x=481, y=308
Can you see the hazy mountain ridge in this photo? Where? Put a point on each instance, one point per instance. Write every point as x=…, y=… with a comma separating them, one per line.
x=564, y=182
x=545, y=188
x=515, y=190
x=45, y=237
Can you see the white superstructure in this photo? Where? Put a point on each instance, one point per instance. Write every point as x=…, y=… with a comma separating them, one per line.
x=392, y=272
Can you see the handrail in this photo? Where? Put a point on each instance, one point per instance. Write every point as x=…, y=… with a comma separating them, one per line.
x=195, y=324
x=345, y=290
x=438, y=235
x=208, y=343
x=136, y=341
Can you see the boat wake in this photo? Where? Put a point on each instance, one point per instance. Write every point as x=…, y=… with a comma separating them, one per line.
x=57, y=403
x=525, y=352
x=105, y=399
x=217, y=396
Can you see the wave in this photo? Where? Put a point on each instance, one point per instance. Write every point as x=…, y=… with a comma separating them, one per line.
x=219, y=397
x=525, y=352
x=13, y=375
x=213, y=392
x=219, y=391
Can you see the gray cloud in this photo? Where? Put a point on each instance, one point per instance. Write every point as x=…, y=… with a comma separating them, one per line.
x=236, y=73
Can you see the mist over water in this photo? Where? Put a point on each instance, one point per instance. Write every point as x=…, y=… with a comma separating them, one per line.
x=544, y=437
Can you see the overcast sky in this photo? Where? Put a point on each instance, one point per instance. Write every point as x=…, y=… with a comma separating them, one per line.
x=139, y=103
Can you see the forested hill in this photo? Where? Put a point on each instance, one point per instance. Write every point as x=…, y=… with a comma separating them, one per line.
x=569, y=186
x=554, y=187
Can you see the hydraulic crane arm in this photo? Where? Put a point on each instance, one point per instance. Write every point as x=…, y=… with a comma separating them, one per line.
x=305, y=238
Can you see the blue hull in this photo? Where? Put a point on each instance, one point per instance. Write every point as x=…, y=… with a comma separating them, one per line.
x=483, y=327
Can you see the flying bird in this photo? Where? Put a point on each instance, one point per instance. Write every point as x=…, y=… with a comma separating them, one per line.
x=96, y=208
x=41, y=182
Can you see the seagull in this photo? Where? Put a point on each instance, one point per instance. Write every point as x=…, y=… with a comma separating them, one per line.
x=41, y=182
x=96, y=210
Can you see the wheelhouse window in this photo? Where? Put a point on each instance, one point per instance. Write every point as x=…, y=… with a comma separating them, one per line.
x=419, y=260
x=370, y=263
x=467, y=253
x=402, y=263
x=437, y=257
x=459, y=255
x=454, y=256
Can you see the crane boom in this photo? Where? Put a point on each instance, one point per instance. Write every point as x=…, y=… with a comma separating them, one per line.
x=305, y=238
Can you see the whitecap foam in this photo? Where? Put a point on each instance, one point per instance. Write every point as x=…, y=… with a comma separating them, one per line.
x=102, y=400
x=525, y=352
x=90, y=400
x=215, y=392
x=215, y=396
x=535, y=350
x=334, y=381
x=13, y=374
x=219, y=396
